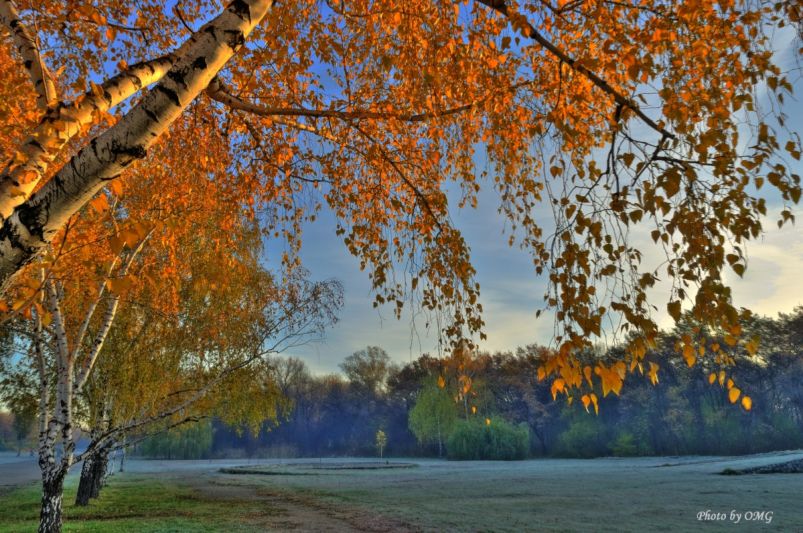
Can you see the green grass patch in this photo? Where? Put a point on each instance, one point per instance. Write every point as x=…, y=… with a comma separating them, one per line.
x=136, y=503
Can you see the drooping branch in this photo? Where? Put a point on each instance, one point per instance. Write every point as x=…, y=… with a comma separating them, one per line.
x=520, y=22
x=62, y=122
x=218, y=91
x=33, y=224
x=27, y=47
x=126, y=429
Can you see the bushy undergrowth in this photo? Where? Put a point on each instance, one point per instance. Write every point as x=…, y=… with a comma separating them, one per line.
x=499, y=440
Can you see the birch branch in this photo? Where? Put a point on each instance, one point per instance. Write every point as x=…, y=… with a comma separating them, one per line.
x=218, y=91
x=106, y=324
x=63, y=122
x=79, y=338
x=33, y=224
x=520, y=22
x=27, y=47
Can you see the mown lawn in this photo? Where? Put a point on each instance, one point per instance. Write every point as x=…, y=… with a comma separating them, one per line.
x=615, y=495
x=138, y=503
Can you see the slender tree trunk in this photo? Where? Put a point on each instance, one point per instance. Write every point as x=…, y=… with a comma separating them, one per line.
x=52, y=496
x=122, y=459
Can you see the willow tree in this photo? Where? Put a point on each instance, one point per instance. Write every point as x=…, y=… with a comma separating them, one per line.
x=608, y=118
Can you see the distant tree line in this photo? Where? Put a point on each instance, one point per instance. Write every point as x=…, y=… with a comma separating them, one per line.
x=492, y=405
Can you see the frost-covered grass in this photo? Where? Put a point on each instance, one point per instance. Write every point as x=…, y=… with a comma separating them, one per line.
x=610, y=494
x=595, y=495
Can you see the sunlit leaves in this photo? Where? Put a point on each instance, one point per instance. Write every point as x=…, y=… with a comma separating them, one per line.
x=733, y=394
x=589, y=399
x=408, y=99
x=747, y=403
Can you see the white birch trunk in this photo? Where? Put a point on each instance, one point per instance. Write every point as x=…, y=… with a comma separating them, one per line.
x=28, y=49
x=33, y=224
x=63, y=122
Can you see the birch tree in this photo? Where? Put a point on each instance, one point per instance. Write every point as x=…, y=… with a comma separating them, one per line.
x=599, y=120
x=218, y=314
x=139, y=374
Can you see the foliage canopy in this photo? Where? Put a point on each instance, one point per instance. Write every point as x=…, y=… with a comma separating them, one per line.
x=610, y=117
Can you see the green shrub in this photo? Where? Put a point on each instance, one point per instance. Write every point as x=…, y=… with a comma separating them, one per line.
x=584, y=437
x=476, y=440
x=627, y=445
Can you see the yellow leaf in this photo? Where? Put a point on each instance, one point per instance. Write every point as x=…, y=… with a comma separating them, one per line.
x=733, y=394
x=653, y=373
x=594, y=401
x=712, y=378
x=116, y=187
x=558, y=386
x=473, y=409
x=674, y=310
x=752, y=346
x=97, y=90
x=688, y=355
x=116, y=244
x=730, y=340
x=441, y=382
x=100, y=204
x=747, y=402
x=487, y=421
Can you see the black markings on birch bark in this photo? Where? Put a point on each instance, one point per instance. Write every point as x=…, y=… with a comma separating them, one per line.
x=170, y=93
x=75, y=184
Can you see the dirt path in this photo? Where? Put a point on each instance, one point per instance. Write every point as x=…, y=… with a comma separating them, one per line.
x=292, y=512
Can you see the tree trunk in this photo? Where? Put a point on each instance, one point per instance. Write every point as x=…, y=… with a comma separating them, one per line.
x=52, y=496
x=93, y=474
x=85, y=484
x=99, y=472
x=122, y=459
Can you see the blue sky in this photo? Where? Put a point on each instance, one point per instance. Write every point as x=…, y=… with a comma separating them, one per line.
x=511, y=292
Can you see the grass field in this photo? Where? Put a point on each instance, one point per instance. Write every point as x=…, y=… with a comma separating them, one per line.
x=643, y=494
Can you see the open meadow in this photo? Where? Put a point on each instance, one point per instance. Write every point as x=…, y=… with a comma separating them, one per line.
x=608, y=494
